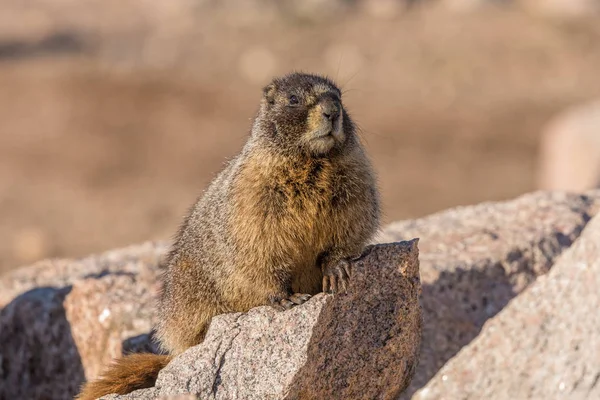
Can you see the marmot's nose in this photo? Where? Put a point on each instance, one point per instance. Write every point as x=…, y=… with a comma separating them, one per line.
x=330, y=109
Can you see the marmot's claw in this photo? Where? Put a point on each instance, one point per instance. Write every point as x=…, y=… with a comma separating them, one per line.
x=286, y=304
x=299, y=298
x=336, y=277
x=290, y=302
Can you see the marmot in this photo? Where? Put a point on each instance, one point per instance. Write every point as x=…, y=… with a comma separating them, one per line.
x=280, y=223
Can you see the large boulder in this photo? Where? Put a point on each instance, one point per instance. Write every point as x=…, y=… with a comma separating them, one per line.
x=38, y=356
x=106, y=312
x=143, y=260
x=362, y=344
x=475, y=259
x=63, y=320
x=544, y=345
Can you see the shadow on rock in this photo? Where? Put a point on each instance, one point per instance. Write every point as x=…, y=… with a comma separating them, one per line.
x=366, y=345
x=144, y=343
x=38, y=356
x=458, y=303
x=455, y=307
x=475, y=260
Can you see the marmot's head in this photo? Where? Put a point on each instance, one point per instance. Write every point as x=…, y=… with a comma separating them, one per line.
x=304, y=112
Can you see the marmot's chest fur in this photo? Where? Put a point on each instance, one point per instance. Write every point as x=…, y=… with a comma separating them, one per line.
x=300, y=206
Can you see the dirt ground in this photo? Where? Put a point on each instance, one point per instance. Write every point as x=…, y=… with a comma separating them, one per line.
x=109, y=132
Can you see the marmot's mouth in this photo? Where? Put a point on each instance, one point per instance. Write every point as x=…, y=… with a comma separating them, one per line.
x=323, y=131
x=321, y=135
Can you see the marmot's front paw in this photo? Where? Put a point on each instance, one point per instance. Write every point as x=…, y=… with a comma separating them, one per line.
x=336, y=277
x=289, y=302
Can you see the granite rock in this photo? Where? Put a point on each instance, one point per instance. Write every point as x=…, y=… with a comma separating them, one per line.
x=475, y=259
x=38, y=355
x=362, y=344
x=62, y=320
x=544, y=345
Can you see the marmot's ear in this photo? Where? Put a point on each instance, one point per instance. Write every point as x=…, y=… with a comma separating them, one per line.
x=269, y=94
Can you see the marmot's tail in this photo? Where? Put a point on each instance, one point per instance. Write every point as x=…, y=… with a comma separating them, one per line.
x=129, y=373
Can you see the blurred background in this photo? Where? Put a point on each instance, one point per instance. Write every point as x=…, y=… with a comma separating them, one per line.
x=115, y=114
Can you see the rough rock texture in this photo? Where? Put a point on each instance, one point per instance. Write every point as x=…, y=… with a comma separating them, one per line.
x=141, y=259
x=475, y=259
x=71, y=317
x=153, y=394
x=38, y=356
x=570, y=150
x=363, y=344
x=544, y=345
x=107, y=311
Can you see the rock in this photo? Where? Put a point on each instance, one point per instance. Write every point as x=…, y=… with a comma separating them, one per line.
x=38, y=356
x=363, y=344
x=474, y=260
x=141, y=259
x=151, y=394
x=570, y=150
x=544, y=345
x=72, y=318
x=106, y=312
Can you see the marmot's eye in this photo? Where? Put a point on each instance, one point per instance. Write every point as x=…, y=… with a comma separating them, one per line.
x=293, y=99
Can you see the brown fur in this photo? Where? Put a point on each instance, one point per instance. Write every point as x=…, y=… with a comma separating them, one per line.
x=132, y=372
x=281, y=219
